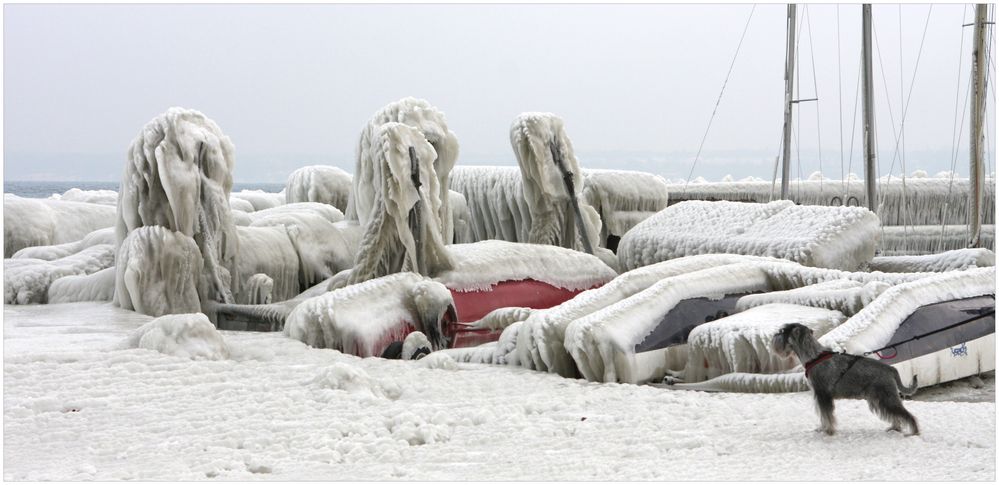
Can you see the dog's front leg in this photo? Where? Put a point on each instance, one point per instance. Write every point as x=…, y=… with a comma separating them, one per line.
x=826, y=407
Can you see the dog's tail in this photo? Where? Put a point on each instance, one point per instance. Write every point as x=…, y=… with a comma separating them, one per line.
x=907, y=391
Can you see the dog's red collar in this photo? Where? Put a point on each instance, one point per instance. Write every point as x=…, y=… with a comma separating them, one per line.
x=822, y=357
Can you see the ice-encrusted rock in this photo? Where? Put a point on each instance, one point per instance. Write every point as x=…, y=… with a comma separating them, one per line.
x=179, y=177
x=98, y=286
x=187, y=335
x=157, y=272
x=56, y=251
x=319, y=183
x=44, y=222
x=830, y=237
x=368, y=176
x=27, y=280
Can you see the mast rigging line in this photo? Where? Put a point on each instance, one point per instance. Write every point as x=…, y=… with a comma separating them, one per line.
x=815, y=89
x=718, y=102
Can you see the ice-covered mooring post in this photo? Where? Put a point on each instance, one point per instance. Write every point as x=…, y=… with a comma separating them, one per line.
x=402, y=206
x=178, y=176
x=553, y=183
x=431, y=124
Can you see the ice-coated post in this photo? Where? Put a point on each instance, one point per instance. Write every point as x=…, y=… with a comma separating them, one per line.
x=976, y=173
x=570, y=188
x=870, y=172
x=415, y=225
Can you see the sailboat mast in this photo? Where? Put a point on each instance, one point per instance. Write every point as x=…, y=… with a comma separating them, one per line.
x=788, y=94
x=868, y=93
x=976, y=174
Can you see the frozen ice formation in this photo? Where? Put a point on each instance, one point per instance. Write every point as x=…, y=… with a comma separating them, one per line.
x=498, y=209
x=957, y=259
x=44, y=222
x=363, y=319
x=369, y=178
x=319, y=183
x=552, y=183
x=923, y=240
x=27, y=280
x=480, y=265
x=917, y=201
x=178, y=177
x=158, y=271
x=259, y=199
x=187, y=335
x=845, y=295
x=103, y=197
x=97, y=286
x=623, y=198
x=830, y=237
x=397, y=198
x=56, y=251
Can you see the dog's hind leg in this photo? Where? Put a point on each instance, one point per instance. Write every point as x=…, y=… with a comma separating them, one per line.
x=826, y=407
x=893, y=411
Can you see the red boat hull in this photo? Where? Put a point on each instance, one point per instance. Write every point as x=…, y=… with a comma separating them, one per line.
x=473, y=305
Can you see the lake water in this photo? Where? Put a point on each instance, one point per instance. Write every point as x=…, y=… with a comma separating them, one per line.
x=41, y=190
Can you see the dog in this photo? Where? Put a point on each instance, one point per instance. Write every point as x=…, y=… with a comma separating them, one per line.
x=837, y=376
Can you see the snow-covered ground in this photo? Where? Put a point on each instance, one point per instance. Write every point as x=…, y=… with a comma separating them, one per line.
x=79, y=406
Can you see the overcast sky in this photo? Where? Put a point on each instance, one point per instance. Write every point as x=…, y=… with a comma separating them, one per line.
x=635, y=84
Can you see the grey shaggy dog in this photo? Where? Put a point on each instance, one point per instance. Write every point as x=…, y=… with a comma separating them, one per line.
x=837, y=376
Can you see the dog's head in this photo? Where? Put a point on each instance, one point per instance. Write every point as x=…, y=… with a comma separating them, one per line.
x=791, y=332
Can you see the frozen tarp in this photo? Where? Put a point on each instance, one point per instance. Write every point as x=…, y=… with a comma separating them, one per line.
x=873, y=327
x=921, y=240
x=319, y=183
x=27, y=280
x=957, y=259
x=831, y=237
x=743, y=342
x=44, y=222
x=846, y=296
x=480, y=265
x=540, y=344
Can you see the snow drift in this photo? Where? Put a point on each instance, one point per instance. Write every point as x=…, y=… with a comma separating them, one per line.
x=830, y=237
x=98, y=286
x=188, y=335
x=56, y=251
x=103, y=197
